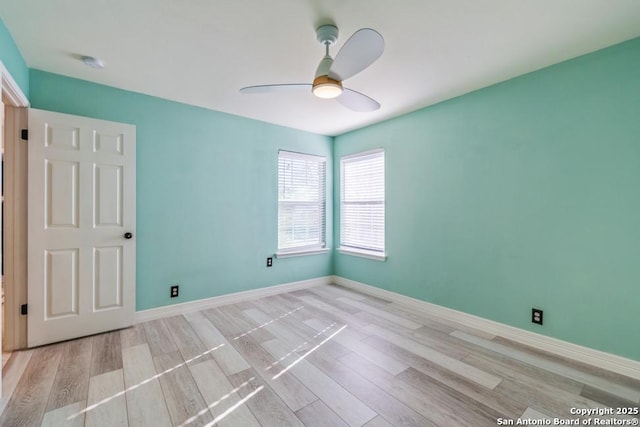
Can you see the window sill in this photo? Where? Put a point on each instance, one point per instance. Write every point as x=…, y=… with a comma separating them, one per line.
x=302, y=253
x=364, y=254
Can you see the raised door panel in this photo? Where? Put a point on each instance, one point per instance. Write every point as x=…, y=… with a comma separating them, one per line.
x=61, y=283
x=107, y=283
x=107, y=195
x=61, y=193
x=108, y=143
x=61, y=137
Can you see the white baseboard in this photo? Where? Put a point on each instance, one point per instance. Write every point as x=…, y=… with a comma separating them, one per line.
x=621, y=365
x=201, y=304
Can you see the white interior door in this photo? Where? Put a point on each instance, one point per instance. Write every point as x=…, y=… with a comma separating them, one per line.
x=82, y=207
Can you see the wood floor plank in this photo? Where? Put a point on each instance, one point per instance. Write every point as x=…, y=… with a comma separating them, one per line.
x=29, y=400
x=531, y=413
x=184, y=401
x=461, y=327
x=444, y=343
x=352, y=333
x=368, y=393
x=223, y=323
x=343, y=403
x=343, y=291
x=463, y=369
x=226, y=356
x=557, y=368
x=106, y=354
x=72, y=378
x=11, y=374
x=607, y=399
x=342, y=316
x=353, y=343
x=291, y=304
x=317, y=414
x=402, y=321
x=422, y=317
x=64, y=416
x=106, y=403
x=321, y=294
x=145, y=401
x=132, y=336
x=517, y=371
x=450, y=400
x=277, y=329
x=411, y=396
x=425, y=319
x=189, y=343
x=280, y=309
x=262, y=401
x=294, y=394
x=219, y=395
x=310, y=311
x=596, y=371
x=378, y=422
x=193, y=316
x=434, y=339
x=159, y=338
x=248, y=326
x=405, y=393
x=297, y=335
x=555, y=402
x=408, y=312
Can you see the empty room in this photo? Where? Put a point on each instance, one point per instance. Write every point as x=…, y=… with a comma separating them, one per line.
x=320, y=213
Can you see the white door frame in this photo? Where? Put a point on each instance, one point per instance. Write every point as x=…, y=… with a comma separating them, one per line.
x=15, y=229
x=12, y=96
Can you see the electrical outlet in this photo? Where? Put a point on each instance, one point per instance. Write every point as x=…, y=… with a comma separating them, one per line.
x=269, y=262
x=175, y=289
x=536, y=316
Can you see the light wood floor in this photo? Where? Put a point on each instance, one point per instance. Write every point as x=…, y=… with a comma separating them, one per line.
x=326, y=356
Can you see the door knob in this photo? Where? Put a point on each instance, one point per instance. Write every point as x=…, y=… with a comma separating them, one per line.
x=128, y=235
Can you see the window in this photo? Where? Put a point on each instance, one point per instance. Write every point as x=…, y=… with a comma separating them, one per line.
x=362, y=204
x=301, y=203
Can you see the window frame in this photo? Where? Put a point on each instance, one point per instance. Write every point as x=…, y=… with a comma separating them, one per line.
x=321, y=245
x=345, y=248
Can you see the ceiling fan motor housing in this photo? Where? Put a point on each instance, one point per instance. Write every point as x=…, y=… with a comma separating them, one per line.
x=324, y=66
x=327, y=34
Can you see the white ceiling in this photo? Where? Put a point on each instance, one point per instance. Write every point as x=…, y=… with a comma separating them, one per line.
x=201, y=52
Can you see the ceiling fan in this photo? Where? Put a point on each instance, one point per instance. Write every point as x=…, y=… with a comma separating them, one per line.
x=362, y=49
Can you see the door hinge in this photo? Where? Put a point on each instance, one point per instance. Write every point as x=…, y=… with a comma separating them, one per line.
x=24, y=134
x=23, y=309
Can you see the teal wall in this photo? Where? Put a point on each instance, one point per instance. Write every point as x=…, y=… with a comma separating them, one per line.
x=12, y=59
x=206, y=191
x=524, y=194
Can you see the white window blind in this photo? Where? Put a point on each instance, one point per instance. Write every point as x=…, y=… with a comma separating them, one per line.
x=301, y=202
x=362, y=202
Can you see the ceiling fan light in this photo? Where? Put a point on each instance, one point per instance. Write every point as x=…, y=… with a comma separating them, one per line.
x=326, y=87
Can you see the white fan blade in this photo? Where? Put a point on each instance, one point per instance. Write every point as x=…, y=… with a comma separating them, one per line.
x=357, y=101
x=361, y=50
x=276, y=88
